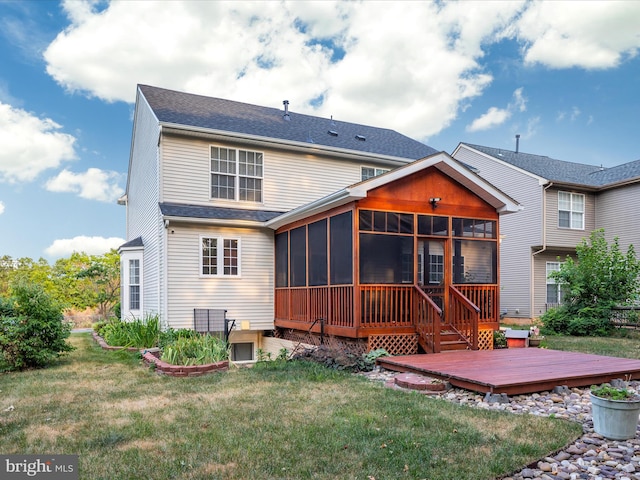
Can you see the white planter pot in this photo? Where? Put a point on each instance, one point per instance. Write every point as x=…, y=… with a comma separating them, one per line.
x=615, y=419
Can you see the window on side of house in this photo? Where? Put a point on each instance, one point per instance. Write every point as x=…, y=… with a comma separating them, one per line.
x=571, y=210
x=236, y=174
x=554, y=292
x=370, y=172
x=219, y=257
x=134, y=284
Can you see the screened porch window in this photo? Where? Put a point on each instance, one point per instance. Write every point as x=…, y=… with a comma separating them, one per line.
x=474, y=261
x=282, y=259
x=386, y=259
x=318, y=253
x=298, y=257
x=341, y=248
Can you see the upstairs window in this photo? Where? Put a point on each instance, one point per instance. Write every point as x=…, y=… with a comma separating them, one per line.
x=370, y=172
x=571, y=210
x=236, y=174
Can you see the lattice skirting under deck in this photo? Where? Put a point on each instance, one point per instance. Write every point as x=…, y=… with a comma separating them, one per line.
x=401, y=344
x=485, y=339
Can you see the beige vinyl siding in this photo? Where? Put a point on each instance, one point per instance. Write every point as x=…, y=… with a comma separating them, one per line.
x=246, y=298
x=289, y=180
x=520, y=231
x=143, y=216
x=567, y=237
x=618, y=213
x=540, y=277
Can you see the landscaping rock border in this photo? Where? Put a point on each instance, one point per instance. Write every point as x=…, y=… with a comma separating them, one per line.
x=151, y=359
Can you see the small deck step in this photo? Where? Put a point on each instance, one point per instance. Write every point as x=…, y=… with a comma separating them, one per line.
x=422, y=383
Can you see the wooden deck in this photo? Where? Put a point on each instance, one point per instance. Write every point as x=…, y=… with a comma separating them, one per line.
x=516, y=370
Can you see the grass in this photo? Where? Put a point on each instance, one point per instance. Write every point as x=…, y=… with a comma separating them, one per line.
x=290, y=420
x=624, y=343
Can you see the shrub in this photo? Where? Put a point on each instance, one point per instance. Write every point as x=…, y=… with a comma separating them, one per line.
x=171, y=335
x=32, y=329
x=600, y=278
x=199, y=350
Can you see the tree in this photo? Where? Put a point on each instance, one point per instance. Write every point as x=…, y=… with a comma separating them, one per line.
x=600, y=278
x=103, y=274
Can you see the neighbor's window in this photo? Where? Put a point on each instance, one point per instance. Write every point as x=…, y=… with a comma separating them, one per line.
x=134, y=284
x=370, y=172
x=236, y=174
x=571, y=210
x=554, y=292
x=220, y=257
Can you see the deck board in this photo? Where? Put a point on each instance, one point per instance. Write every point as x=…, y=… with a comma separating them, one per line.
x=516, y=370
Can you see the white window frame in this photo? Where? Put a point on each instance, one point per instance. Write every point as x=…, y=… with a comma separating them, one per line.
x=552, y=267
x=574, y=204
x=220, y=257
x=238, y=171
x=376, y=171
x=125, y=283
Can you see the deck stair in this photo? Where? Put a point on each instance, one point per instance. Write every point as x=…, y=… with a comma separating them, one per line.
x=451, y=340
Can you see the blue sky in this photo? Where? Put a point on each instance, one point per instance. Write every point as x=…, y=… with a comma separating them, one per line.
x=563, y=75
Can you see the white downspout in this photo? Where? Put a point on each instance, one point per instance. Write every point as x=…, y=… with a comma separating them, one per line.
x=532, y=290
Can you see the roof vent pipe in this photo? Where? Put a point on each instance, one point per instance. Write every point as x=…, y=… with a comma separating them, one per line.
x=286, y=115
x=517, y=142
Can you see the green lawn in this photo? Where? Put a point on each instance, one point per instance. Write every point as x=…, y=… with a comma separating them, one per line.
x=282, y=421
x=624, y=343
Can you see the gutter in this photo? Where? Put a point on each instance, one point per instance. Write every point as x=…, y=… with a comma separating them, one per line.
x=176, y=129
x=543, y=249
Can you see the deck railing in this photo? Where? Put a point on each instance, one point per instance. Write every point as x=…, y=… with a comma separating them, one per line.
x=427, y=317
x=485, y=297
x=385, y=305
x=463, y=317
x=307, y=304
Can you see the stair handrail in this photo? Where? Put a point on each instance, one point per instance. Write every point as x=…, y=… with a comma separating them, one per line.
x=426, y=329
x=474, y=312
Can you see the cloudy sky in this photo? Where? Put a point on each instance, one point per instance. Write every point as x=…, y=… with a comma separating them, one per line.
x=564, y=75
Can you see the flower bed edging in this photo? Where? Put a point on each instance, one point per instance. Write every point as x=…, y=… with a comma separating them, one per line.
x=151, y=356
x=106, y=346
x=182, y=370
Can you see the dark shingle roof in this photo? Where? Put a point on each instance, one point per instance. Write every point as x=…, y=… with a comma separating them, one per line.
x=563, y=171
x=225, y=115
x=217, y=213
x=136, y=242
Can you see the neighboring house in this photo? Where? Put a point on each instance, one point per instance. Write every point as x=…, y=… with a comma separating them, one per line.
x=211, y=180
x=563, y=203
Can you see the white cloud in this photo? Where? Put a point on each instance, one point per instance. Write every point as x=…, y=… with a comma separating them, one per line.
x=411, y=66
x=408, y=66
x=1, y=208
x=497, y=116
x=30, y=145
x=90, y=245
x=493, y=117
x=94, y=184
x=590, y=35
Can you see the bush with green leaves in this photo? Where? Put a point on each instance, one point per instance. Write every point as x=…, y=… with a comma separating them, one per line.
x=600, y=278
x=198, y=350
x=32, y=329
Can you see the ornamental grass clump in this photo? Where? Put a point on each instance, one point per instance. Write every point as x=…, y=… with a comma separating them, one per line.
x=200, y=350
x=138, y=333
